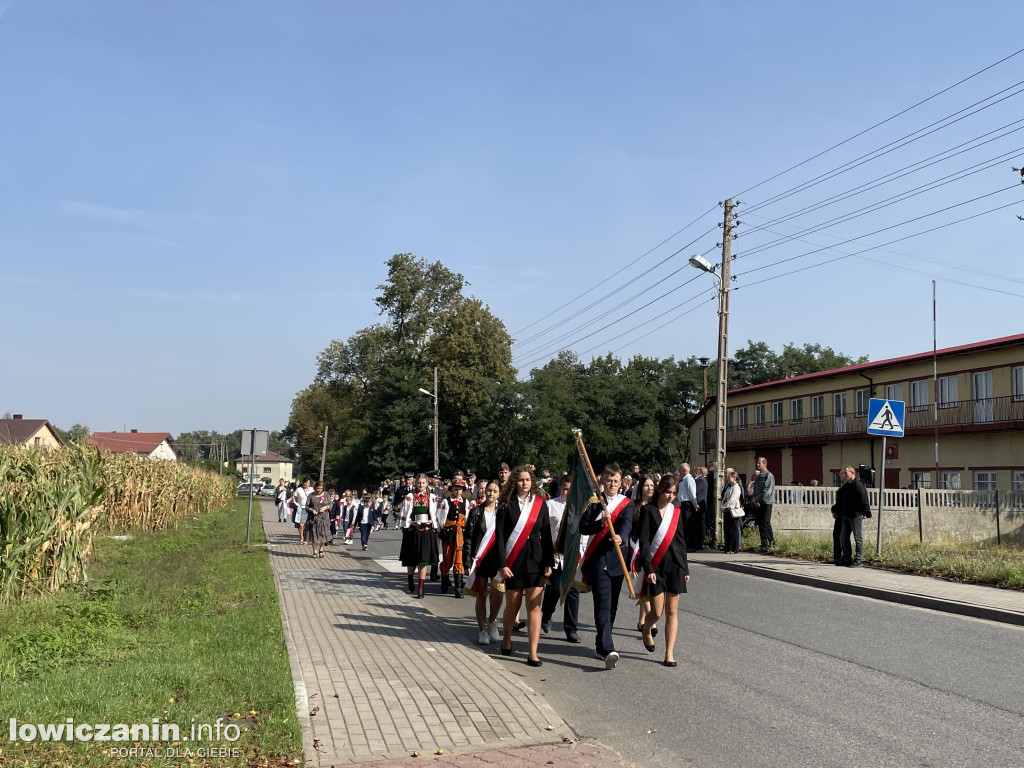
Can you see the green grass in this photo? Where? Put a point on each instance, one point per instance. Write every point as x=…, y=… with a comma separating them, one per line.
x=175, y=625
x=965, y=562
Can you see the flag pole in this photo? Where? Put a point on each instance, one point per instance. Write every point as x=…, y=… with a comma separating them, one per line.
x=611, y=528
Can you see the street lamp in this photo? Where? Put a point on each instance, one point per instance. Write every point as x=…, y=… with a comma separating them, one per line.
x=434, y=396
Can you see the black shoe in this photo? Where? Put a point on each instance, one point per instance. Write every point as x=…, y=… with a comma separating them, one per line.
x=857, y=564
x=650, y=648
x=572, y=637
x=412, y=586
x=518, y=626
x=445, y=584
x=534, y=663
x=506, y=651
x=545, y=627
x=669, y=664
x=654, y=632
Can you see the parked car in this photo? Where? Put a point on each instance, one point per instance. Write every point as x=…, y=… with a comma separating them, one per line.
x=244, y=489
x=268, y=490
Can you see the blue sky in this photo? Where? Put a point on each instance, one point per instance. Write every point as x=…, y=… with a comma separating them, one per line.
x=196, y=197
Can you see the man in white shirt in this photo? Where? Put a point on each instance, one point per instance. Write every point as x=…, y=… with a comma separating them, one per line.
x=571, y=610
x=686, y=497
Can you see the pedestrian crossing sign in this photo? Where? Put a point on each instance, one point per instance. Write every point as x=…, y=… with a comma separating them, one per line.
x=886, y=417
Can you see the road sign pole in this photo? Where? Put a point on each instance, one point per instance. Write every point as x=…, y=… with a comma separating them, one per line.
x=252, y=474
x=881, y=502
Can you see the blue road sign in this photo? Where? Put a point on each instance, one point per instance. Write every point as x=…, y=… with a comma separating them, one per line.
x=886, y=417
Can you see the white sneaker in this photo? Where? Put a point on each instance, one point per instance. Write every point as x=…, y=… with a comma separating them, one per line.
x=484, y=638
x=611, y=660
x=493, y=631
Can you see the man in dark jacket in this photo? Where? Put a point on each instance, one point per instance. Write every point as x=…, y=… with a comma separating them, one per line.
x=602, y=564
x=849, y=511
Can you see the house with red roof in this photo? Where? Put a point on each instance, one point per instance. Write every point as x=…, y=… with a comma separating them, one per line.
x=964, y=421
x=145, y=445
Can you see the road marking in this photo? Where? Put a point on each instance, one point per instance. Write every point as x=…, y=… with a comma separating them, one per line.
x=390, y=564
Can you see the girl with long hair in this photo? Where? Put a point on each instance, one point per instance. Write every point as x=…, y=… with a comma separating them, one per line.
x=419, y=540
x=525, y=555
x=644, y=495
x=663, y=559
x=477, y=543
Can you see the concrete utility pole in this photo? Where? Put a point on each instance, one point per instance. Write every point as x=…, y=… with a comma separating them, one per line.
x=723, y=350
x=323, y=454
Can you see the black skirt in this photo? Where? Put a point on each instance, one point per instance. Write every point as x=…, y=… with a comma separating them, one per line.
x=419, y=545
x=670, y=579
x=525, y=582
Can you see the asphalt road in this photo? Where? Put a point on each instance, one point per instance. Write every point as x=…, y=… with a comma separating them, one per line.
x=774, y=674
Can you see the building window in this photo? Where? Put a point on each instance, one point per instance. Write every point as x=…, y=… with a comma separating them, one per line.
x=741, y=415
x=759, y=415
x=947, y=392
x=268, y=470
x=777, y=417
x=796, y=410
x=836, y=480
x=949, y=481
x=839, y=412
x=1018, y=481
x=919, y=395
x=984, y=480
x=36, y=443
x=1018, y=383
x=920, y=480
x=729, y=419
x=894, y=392
x=863, y=397
x=817, y=408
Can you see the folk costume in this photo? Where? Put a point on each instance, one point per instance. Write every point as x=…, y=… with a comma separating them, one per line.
x=601, y=566
x=419, y=543
x=453, y=513
x=663, y=550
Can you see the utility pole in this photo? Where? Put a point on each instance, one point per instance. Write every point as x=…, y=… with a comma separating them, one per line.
x=437, y=466
x=723, y=350
x=323, y=454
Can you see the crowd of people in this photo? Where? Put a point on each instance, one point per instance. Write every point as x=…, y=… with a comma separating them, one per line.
x=502, y=541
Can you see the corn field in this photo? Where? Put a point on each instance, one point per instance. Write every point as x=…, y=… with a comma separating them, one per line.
x=53, y=501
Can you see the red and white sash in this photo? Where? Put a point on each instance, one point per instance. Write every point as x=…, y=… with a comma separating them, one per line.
x=597, y=538
x=475, y=580
x=664, y=535
x=516, y=540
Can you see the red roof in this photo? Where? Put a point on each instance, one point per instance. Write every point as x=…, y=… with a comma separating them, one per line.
x=1003, y=341
x=131, y=442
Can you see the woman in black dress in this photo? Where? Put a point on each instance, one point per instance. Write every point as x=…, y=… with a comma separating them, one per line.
x=663, y=559
x=419, y=540
x=525, y=555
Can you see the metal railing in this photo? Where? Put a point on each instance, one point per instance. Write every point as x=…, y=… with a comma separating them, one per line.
x=993, y=410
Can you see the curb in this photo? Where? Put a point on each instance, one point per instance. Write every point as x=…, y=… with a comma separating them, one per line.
x=904, y=598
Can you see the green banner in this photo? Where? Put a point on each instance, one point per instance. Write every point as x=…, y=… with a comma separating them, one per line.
x=581, y=495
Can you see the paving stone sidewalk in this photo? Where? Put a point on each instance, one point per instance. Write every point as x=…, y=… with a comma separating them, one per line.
x=378, y=677
x=571, y=755
x=976, y=600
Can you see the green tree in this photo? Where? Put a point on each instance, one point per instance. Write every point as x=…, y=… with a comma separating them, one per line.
x=74, y=434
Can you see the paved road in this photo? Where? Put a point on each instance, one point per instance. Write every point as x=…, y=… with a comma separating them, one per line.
x=779, y=674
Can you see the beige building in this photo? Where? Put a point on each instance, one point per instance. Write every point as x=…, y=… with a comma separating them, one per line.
x=146, y=445
x=808, y=427
x=270, y=467
x=32, y=433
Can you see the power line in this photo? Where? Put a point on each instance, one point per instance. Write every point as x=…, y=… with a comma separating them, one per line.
x=530, y=351
x=616, y=290
x=874, y=247
x=893, y=200
x=877, y=153
x=879, y=124
x=891, y=226
x=888, y=177
x=618, y=272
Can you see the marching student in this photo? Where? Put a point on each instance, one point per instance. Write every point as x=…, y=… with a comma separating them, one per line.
x=419, y=548
x=301, y=496
x=643, y=495
x=318, y=507
x=365, y=517
x=602, y=565
x=478, y=543
x=452, y=512
x=525, y=554
x=663, y=559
